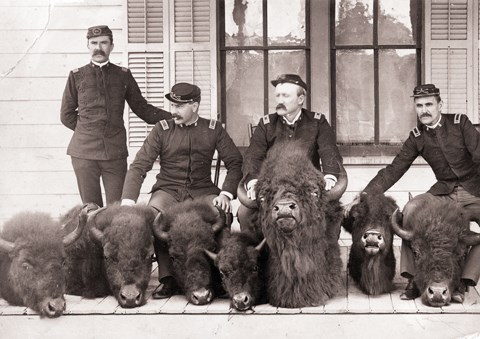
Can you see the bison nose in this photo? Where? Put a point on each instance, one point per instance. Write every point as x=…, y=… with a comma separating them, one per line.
x=285, y=207
x=242, y=301
x=438, y=294
x=53, y=308
x=130, y=296
x=201, y=296
x=373, y=241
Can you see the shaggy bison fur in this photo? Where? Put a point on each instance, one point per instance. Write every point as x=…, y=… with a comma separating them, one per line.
x=32, y=254
x=438, y=233
x=301, y=224
x=115, y=256
x=242, y=261
x=371, y=262
x=188, y=228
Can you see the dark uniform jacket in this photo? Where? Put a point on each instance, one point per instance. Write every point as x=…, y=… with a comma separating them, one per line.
x=186, y=154
x=452, y=150
x=311, y=128
x=93, y=105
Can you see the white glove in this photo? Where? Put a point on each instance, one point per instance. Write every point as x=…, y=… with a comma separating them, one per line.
x=251, y=189
x=330, y=181
x=127, y=202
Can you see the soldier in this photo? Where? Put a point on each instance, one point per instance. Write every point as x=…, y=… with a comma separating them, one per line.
x=93, y=106
x=186, y=145
x=290, y=122
x=450, y=144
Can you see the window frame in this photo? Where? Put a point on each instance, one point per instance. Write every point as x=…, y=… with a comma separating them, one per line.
x=265, y=48
x=377, y=149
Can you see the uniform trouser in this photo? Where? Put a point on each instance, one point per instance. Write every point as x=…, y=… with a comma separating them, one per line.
x=471, y=203
x=89, y=172
x=160, y=201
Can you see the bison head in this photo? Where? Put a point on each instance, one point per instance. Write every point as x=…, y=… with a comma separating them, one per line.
x=189, y=228
x=436, y=234
x=369, y=222
x=125, y=234
x=32, y=263
x=242, y=268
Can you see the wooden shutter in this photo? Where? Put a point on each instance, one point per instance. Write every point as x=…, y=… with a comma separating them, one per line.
x=147, y=69
x=450, y=54
x=194, y=58
x=145, y=21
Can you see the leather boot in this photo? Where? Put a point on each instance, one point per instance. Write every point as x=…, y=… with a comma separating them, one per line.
x=168, y=288
x=411, y=291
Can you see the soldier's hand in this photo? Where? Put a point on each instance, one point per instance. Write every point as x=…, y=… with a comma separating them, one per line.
x=223, y=202
x=251, y=189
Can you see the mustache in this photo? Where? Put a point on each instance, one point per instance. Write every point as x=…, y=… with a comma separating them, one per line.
x=279, y=106
x=175, y=116
x=99, y=52
x=425, y=115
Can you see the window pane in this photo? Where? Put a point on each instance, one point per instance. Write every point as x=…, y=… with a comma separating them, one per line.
x=280, y=62
x=397, y=80
x=396, y=22
x=244, y=99
x=243, y=23
x=355, y=96
x=354, y=22
x=286, y=22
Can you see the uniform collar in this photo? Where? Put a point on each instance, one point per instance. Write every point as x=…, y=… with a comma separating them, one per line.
x=297, y=117
x=100, y=64
x=193, y=124
x=438, y=124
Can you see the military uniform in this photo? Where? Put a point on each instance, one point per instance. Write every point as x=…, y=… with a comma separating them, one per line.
x=311, y=128
x=186, y=154
x=93, y=107
x=452, y=150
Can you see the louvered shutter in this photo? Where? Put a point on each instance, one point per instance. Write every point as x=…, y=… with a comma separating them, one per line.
x=169, y=42
x=147, y=69
x=194, y=53
x=145, y=21
x=450, y=54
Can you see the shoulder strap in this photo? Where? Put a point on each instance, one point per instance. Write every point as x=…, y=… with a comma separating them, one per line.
x=416, y=132
x=266, y=119
x=213, y=124
x=456, y=119
x=164, y=124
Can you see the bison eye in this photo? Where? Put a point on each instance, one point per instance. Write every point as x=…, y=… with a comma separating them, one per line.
x=222, y=274
x=26, y=266
x=172, y=259
x=315, y=194
x=255, y=268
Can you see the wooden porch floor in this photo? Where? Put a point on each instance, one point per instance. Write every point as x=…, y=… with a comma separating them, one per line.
x=351, y=314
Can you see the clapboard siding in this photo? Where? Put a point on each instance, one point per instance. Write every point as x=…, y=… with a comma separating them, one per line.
x=53, y=41
x=47, y=65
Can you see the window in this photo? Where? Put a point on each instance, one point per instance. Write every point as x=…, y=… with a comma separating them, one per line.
x=170, y=42
x=259, y=39
x=375, y=63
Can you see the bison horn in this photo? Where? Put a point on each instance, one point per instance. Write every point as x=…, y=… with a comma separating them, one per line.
x=244, y=199
x=397, y=228
x=221, y=220
x=211, y=255
x=470, y=238
x=260, y=246
x=159, y=228
x=6, y=246
x=73, y=236
x=337, y=191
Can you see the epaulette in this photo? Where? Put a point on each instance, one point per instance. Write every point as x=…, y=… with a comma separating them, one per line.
x=125, y=69
x=213, y=124
x=416, y=132
x=317, y=115
x=164, y=124
x=456, y=119
x=266, y=119
x=75, y=70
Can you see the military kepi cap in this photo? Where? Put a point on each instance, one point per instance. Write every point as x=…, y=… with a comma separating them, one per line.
x=425, y=90
x=291, y=78
x=183, y=92
x=99, y=31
